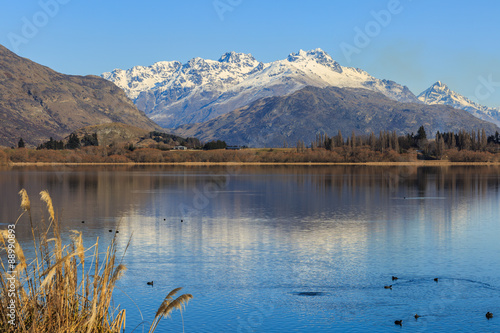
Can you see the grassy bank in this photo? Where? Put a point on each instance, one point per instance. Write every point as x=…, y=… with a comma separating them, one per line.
x=63, y=288
x=339, y=155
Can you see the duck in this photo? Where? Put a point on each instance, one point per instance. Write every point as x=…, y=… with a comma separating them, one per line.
x=394, y=278
x=417, y=316
x=489, y=315
x=436, y=279
x=388, y=287
x=150, y=283
x=399, y=322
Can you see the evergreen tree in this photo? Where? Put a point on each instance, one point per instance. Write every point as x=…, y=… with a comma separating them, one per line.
x=20, y=144
x=421, y=135
x=73, y=142
x=90, y=140
x=215, y=145
x=422, y=140
x=329, y=143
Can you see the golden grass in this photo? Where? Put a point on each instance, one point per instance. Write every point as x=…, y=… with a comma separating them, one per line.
x=63, y=288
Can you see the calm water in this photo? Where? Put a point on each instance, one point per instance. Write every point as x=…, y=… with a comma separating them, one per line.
x=289, y=249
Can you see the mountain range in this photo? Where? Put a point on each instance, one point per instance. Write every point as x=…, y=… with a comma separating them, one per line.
x=284, y=120
x=172, y=94
x=37, y=102
x=236, y=98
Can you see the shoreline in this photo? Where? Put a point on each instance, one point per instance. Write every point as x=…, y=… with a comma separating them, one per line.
x=419, y=163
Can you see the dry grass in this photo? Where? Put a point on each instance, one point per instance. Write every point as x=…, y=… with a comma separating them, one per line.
x=339, y=155
x=63, y=288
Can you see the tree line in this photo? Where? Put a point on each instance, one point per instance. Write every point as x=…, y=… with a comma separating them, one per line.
x=386, y=140
x=74, y=142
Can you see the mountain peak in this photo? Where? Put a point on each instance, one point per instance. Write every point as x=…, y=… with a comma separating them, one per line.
x=312, y=54
x=440, y=85
x=234, y=57
x=439, y=93
x=317, y=55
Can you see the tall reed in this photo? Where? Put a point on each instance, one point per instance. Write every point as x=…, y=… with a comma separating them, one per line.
x=63, y=288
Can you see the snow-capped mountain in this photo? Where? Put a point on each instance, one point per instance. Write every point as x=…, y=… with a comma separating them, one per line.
x=173, y=94
x=439, y=93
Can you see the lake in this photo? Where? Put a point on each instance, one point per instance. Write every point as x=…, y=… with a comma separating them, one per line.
x=287, y=248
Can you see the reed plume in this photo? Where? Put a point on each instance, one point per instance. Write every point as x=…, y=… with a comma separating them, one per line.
x=25, y=200
x=168, y=305
x=45, y=196
x=65, y=288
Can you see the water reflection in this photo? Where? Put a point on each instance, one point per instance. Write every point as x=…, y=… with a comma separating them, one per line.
x=270, y=235
x=322, y=194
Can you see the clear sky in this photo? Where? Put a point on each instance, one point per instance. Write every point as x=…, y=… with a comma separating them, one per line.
x=415, y=43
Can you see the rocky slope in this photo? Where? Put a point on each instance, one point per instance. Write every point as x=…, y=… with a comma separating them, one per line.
x=37, y=103
x=273, y=121
x=173, y=94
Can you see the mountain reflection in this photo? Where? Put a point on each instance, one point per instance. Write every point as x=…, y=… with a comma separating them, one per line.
x=314, y=197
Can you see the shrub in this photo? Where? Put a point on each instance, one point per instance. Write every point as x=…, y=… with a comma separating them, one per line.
x=146, y=155
x=470, y=156
x=19, y=155
x=4, y=159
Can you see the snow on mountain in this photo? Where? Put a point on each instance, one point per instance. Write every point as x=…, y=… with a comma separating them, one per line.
x=173, y=94
x=439, y=93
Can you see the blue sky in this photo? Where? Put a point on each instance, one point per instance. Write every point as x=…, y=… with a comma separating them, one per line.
x=417, y=44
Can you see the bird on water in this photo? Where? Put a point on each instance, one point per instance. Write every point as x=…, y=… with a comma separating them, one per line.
x=150, y=283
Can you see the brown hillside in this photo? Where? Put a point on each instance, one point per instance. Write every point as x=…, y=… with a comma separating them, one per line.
x=37, y=103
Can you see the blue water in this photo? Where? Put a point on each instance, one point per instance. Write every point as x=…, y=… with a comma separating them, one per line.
x=290, y=249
